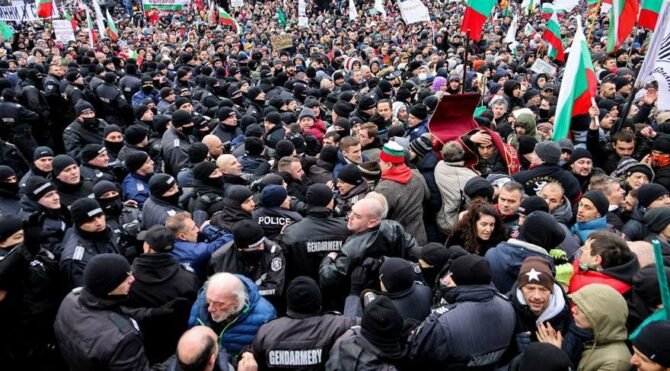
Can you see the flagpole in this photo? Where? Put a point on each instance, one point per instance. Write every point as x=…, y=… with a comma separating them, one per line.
x=593, y=22
x=465, y=61
x=626, y=110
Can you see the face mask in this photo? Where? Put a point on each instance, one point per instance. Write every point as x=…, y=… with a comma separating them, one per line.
x=174, y=199
x=660, y=161
x=113, y=146
x=148, y=89
x=12, y=188
x=187, y=130
x=215, y=182
x=90, y=121
x=112, y=206
x=238, y=100
x=423, y=76
x=543, y=113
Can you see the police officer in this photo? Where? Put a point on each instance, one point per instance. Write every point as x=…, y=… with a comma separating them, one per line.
x=31, y=96
x=55, y=98
x=95, y=164
x=274, y=213
x=74, y=90
x=115, y=107
x=253, y=255
x=124, y=218
x=303, y=338
x=89, y=236
x=176, y=142
x=85, y=129
x=207, y=193
x=163, y=201
x=16, y=123
x=308, y=241
x=130, y=83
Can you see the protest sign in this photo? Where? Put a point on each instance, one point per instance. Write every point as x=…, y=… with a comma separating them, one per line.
x=413, y=11
x=63, y=30
x=541, y=66
x=281, y=42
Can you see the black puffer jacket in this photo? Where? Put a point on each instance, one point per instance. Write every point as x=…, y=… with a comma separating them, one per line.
x=79, y=248
x=54, y=226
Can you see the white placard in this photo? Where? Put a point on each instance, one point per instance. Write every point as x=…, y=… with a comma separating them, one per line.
x=237, y=3
x=541, y=66
x=63, y=30
x=413, y=11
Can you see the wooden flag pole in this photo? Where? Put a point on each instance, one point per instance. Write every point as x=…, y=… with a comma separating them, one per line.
x=593, y=22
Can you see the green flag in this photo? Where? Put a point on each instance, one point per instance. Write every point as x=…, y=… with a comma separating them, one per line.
x=6, y=30
x=282, y=18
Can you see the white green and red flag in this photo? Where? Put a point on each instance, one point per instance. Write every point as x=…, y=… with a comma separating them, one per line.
x=579, y=85
x=70, y=18
x=623, y=16
x=649, y=13
x=229, y=20
x=44, y=8
x=476, y=14
x=91, y=31
x=111, y=27
x=552, y=34
x=547, y=10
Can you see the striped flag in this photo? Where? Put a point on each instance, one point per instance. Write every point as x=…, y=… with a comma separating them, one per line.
x=91, y=31
x=476, y=14
x=553, y=36
x=111, y=27
x=229, y=20
x=99, y=18
x=622, y=20
x=649, y=13
x=44, y=8
x=579, y=85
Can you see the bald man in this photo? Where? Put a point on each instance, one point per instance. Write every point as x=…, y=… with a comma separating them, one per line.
x=373, y=237
x=231, y=170
x=198, y=350
x=214, y=145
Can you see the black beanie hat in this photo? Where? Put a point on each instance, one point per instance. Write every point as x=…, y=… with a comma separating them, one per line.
x=140, y=110
x=654, y=342
x=435, y=254
x=247, y=234
x=82, y=106
x=381, y=324
x=649, y=193
x=111, y=128
x=600, y=201
x=351, y=174
x=579, y=153
x=37, y=186
x=135, y=134
x=541, y=229
x=198, y=152
x=181, y=118
x=478, y=187
x=273, y=195
x=238, y=193
x=160, y=183
x=343, y=109
x=9, y=224
x=328, y=154
x=303, y=296
x=84, y=210
x=203, y=170
x=470, y=269
x=91, y=151
x=419, y=111
x=545, y=357
x=533, y=203
x=396, y=274
x=284, y=148
x=254, y=146
x=366, y=103
x=661, y=144
x=102, y=187
x=657, y=219
x=60, y=162
x=104, y=273
x=135, y=160
x=181, y=101
x=42, y=151
x=526, y=144
x=254, y=92
x=318, y=195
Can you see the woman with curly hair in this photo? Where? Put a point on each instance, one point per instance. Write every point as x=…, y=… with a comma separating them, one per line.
x=479, y=229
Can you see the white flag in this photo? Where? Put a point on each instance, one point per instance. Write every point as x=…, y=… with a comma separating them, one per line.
x=656, y=65
x=379, y=6
x=352, y=11
x=98, y=18
x=511, y=32
x=413, y=11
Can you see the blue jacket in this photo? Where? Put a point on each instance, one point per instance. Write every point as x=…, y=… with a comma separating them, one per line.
x=341, y=162
x=136, y=187
x=506, y=258
x=197, y=254
x=140, y=96
x=584, y=230
x=242, y=330
x=417, y=131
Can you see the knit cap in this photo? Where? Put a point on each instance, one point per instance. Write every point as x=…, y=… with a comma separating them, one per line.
x=536, y=270
x=247, y=234
x=135, y=161
x=61, y=162
x=273, y=195
x=37, y=187
x=599, y=200
x=649, y=193
x=104, y=273
x=421, y=146
x=393, y=153
x=350, y=174
x=548, y=152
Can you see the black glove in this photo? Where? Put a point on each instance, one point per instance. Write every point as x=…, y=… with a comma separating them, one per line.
x=373, y=265
x=359, y=277
x=32, y=231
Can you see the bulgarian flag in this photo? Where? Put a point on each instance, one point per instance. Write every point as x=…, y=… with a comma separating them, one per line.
x=553, y=36
x=44, y=8
x=72, y=20
x=212, y=17
x=91, y=31
x=622, y=20
x=227, y=19
x=111, y=27
x=649, y=13
x=579, y=85
x=547, y=10
x=476, y=14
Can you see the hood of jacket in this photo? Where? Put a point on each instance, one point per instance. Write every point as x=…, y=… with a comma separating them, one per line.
x=606, y=311
x=563, y=213
x=155, y=268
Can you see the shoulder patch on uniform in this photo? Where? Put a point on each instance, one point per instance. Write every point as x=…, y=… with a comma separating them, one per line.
x=176, y=142
x=140, y=187
x=78, y=253
x=276, y=264
x=171, y=212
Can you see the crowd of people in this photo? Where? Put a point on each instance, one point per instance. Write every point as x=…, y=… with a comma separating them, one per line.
x=188, y=196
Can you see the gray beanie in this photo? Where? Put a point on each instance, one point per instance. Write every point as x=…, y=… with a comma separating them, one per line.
x=548, y=152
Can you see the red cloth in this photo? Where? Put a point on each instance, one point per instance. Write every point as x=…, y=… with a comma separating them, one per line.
x=582, y=278
x=399, y=174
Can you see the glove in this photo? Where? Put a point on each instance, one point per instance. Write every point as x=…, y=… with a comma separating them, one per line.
x=32, y=232
x=373, y=265
x=559, y=256
x=358, y=278
x=564, y=273
x=522, y=341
